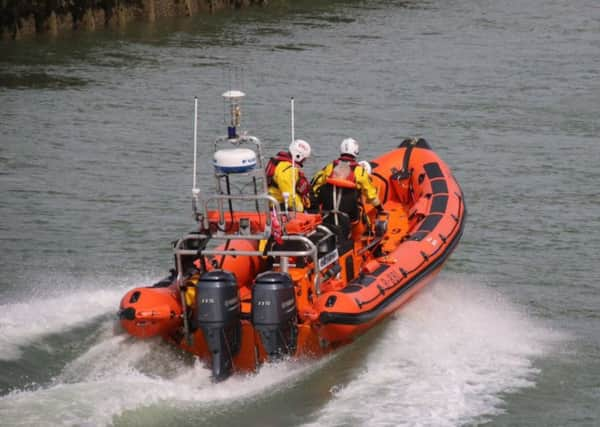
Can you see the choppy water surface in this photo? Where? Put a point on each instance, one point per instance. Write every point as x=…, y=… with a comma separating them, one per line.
x=95, y=179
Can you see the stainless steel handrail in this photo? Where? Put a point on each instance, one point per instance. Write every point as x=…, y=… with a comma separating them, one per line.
x=311, y=251
x=253, y=197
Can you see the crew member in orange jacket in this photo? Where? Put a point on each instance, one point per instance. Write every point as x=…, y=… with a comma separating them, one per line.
x=346, y=167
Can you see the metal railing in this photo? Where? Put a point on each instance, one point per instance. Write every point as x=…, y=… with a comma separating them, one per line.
x=270, y=203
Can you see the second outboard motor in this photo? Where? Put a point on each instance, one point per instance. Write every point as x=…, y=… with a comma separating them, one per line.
x=274, y=313
x=218, y=315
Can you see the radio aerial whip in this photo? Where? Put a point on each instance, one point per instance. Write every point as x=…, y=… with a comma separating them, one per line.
x=293, y=159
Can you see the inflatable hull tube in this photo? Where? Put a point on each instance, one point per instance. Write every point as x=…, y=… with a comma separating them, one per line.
x=150, y=312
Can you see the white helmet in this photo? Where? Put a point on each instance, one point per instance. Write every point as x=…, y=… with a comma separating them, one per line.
x=349, y=146
x=300, y=150
x=366, y=166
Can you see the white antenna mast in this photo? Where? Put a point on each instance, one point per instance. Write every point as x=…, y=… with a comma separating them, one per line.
x=292, y=124
x=234, y=97
x=195, y=190
x=195, y=140
x=293, y=160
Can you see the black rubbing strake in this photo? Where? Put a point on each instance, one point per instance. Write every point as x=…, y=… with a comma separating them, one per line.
x=439, y=203
x=380, y=269
x=439, y=186
x=430, y=222
x=366, y=280
x=418, y=236
x=351, y=289
x=433, y=170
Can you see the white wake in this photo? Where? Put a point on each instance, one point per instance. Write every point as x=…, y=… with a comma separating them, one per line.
x=444, y=360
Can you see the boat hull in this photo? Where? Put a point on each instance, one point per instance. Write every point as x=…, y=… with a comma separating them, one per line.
x=362, y=278
x=151, y=311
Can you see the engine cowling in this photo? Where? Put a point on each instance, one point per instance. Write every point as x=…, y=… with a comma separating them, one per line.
x=274, y=313
x=218, y=316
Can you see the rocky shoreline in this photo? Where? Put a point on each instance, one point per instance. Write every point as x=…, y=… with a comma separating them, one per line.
x=25, y=18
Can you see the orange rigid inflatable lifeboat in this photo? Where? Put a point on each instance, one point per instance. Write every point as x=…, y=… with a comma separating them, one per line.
x=256, y=282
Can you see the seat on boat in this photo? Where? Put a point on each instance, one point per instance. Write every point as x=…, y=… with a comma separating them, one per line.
x=342, y=205
x=339, y=223
x=325, y=243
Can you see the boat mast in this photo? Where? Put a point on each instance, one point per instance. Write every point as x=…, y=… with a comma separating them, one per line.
x=234, y=97
x=195, y=189
x=293, y=160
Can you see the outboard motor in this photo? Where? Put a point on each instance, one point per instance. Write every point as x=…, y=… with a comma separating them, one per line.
x=218, y=316
x=274, y=313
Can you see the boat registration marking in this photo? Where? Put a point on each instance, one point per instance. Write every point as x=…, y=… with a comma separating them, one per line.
x=389, y=279
x=328, y=259
x=431, y=240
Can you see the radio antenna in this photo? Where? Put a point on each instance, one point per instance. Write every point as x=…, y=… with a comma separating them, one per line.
x=293, y=159
x=195, y=140
x=195, y=189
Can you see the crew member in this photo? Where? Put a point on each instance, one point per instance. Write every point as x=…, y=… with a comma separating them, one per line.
x=284, y=171
x=347, y=168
